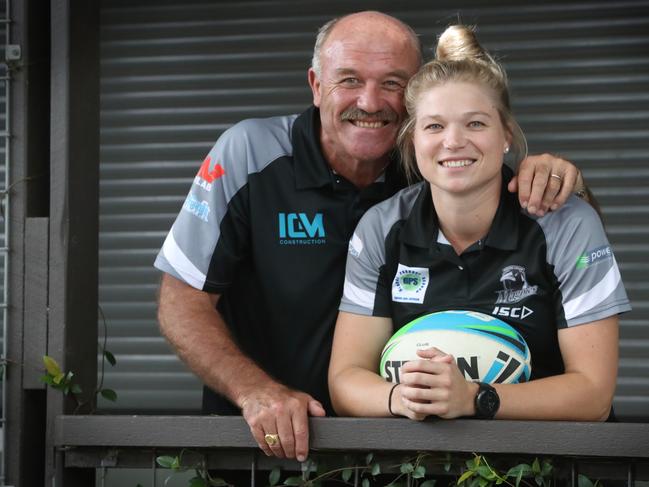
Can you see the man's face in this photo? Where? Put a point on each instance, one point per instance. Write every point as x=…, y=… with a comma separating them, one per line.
x=364, y=72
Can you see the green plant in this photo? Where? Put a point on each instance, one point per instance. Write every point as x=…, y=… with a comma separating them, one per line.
x=62, y=381
x=202, y=477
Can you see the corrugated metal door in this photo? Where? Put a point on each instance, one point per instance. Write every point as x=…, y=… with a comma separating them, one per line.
x=175, y=75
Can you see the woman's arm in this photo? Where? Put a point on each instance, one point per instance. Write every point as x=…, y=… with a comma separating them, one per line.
x=584, y=392
x=355, y=387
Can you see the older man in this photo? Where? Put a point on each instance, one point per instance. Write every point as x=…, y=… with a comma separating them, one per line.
x=254, y=263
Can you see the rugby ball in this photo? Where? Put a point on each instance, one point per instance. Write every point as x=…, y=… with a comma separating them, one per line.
x=485, y=348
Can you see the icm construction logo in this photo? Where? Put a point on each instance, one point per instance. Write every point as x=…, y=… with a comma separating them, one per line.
x=300, y=229
x=594, y=256
x=206, y=175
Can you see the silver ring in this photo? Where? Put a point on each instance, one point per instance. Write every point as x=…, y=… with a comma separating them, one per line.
x=556, y=176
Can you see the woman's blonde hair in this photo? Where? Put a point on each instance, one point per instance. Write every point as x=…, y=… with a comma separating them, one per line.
x=459, y=57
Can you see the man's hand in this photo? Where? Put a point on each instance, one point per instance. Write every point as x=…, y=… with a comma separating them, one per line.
x=539, y=188
x=278, y=410
x=189, y=320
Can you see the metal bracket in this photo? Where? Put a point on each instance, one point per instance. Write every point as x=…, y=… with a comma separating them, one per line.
x=13, y=52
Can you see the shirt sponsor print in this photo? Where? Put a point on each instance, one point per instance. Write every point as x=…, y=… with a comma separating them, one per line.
x=355, y=246
x=594, y=256
x=207, y=174
x=198, y=208
x=301, y=229
x=515, y=285
x=410, y=284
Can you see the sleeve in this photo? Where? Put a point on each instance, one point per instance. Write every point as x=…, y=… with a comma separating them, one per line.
x=365, y=287
x=211, y=234
x=590, y=285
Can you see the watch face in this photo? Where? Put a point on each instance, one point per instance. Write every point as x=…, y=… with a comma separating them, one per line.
x=487, y=402
x=491, y=401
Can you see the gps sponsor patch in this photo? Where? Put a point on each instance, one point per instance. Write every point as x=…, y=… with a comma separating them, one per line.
x=409, y=285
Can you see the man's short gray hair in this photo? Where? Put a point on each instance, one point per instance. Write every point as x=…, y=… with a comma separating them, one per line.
x=325, y=30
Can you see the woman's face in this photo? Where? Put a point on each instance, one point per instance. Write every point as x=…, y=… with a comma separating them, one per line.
x=459, y=139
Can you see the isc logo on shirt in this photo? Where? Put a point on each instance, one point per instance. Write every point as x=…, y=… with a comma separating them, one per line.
x=300, y=229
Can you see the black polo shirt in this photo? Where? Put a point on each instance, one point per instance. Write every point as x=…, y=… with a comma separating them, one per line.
x=266, y=225
x=537, y=274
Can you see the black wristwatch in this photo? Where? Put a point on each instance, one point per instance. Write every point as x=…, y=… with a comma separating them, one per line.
x=487, y=401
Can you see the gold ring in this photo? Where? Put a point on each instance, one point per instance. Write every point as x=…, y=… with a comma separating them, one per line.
x=271, y=440
x=556, y=176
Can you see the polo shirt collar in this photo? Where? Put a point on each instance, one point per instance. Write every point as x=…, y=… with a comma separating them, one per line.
x=421, y=229
x=311, y=168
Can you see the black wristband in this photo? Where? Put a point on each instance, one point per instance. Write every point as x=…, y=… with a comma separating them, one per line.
x=390, y=400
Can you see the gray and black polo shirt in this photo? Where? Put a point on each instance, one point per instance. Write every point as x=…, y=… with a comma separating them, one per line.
x=537, y=274
x=266, y=224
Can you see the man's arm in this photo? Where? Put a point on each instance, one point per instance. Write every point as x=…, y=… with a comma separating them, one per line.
x=189, y=320
x=539, y=191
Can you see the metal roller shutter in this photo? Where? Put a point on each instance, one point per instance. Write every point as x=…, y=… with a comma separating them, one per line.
x=174, y=76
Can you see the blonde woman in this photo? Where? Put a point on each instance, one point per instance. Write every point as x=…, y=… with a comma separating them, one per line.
x=474, y=248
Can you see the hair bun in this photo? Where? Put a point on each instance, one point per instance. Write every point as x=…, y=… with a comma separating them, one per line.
x=458, y=43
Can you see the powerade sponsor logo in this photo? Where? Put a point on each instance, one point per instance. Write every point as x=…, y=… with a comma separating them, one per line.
x=206, y=175
x=299, y=229
x=200, y=209
x=409, y=285
x=594, y=256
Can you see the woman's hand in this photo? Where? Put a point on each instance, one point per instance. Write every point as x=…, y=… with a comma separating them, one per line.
x=434, y=386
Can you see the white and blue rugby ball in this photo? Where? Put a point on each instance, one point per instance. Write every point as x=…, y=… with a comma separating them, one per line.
x=485, y=348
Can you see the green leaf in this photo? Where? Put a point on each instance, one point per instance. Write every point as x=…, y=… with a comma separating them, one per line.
x=346, y=474
x=293, y=481
x=583, y=481
x=47, y=379
x=536, y=466
x=110, y=358
x=539, y=480
x=166, y=461
x=483, y=482
x=547, y=468
x=522, y=469
x=428, y=483
x=365, y=483
x=376, y=469
x=217, y=482
x=76, y=389
x=407, y=468
x=176, y=463
x=465, y=475
x=273, y=476
x=109, y=394
x=51, y=366
x=59, y=378
x=419, y=473
x=485, y=472
x=369, y=458
x=197, y=482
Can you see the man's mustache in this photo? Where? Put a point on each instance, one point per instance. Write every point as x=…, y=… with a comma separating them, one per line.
x=355, y=113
